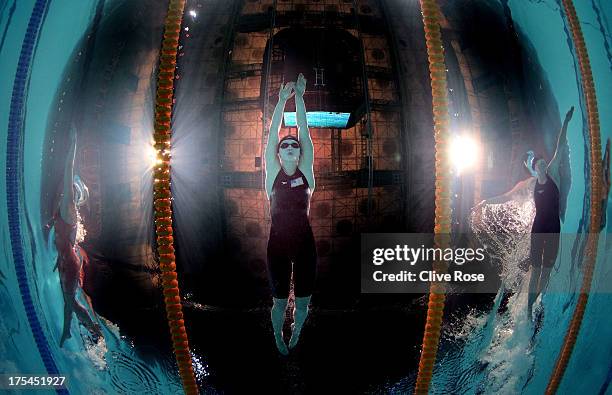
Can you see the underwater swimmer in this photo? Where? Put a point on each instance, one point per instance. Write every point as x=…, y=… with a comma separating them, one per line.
x=289, y=185
x=546, y=227
x=71, y=256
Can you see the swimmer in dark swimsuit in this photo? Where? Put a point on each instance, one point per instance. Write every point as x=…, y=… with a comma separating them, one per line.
x=289, y=185
x=546, y=227
x=70, y=256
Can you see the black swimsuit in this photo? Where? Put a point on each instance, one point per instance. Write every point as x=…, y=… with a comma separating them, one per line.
x=546, y=224
x=291, y=238
x=546, y=197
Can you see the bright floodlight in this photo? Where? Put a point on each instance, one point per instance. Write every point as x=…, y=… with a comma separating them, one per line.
x=464, y=153
x=192, y=13
x=151, y=153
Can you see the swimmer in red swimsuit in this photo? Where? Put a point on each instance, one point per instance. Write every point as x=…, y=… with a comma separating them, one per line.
x=70, y=256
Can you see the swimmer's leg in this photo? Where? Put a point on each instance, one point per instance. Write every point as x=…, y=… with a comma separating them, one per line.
x=534, y=280
x=304, y=274
x=90, y=304
x=96, y=328
x=300, y=312
x=84, y=262
x=536, y=255
x=85, y=319
x=67, y=320
x=551, y=249
x=279, y=270
x=278, y=319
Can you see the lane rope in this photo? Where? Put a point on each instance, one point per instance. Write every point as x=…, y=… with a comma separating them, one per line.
x=162, y=194
x=437, y=72
x=590, y=258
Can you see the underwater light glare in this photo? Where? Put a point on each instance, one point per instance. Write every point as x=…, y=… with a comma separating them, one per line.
x=464, y=153
x=151, y=156
x=320, y=119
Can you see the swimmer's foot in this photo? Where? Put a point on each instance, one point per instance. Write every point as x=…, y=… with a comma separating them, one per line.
x=539, y=316
x=65, y=336
x=280, y=344
x=295, y=336
x=537, y=324
x=96, y=332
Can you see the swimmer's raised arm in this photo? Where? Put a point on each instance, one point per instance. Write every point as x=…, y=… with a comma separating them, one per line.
x=520, y=192
x=284, y=94
x=306, y=145
x=272, y=162
x=553, y=166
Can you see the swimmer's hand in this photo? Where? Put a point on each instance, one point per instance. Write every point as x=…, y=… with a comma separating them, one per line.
x=300, y=86
x=569, y=114
x=286, y=91
x=529, y=162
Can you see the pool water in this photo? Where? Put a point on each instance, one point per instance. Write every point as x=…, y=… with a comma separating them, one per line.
x=492, y=348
